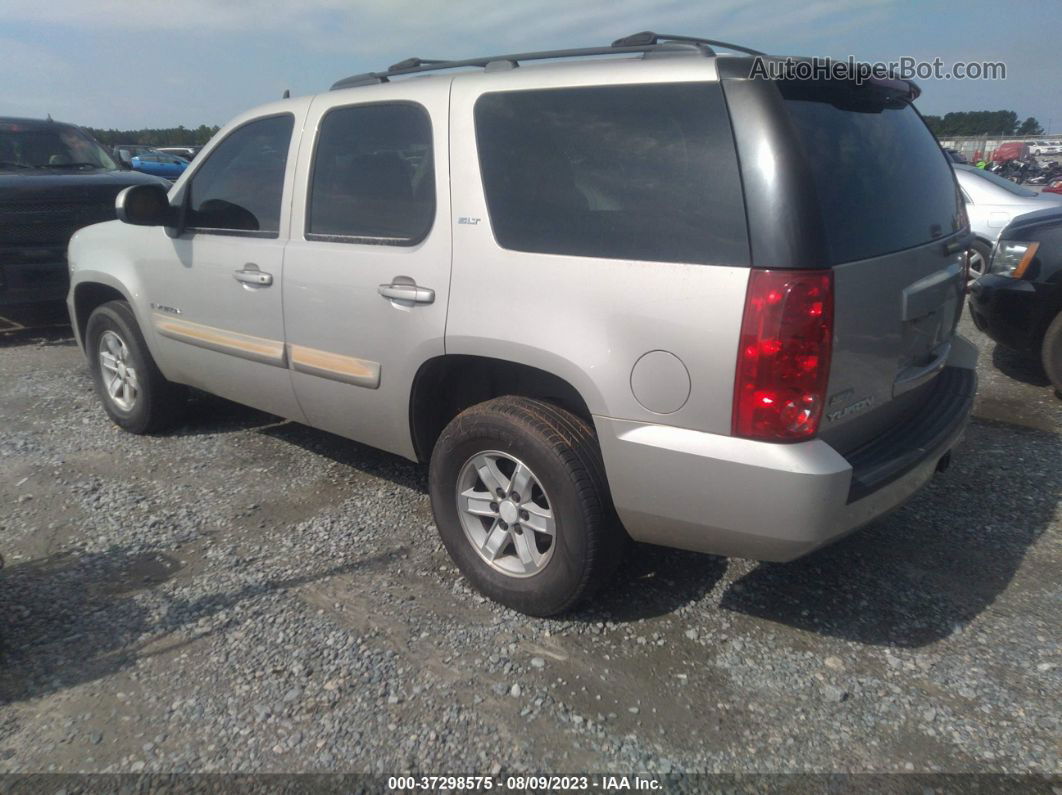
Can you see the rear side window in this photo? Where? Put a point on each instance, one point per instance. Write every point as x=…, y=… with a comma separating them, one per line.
x=239, y=187
x=642, y=172
x=373, y=176
x=882, y=181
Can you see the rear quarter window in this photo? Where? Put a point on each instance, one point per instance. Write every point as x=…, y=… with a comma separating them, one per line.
x=640, y=172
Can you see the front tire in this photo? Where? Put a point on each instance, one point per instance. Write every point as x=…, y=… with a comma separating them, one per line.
x=1051, y=353
x=520, y=498
x=980, y=254
x=134, y=393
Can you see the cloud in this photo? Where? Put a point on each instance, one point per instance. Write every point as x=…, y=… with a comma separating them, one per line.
x=217, y=58
x=31, y=98
x=376, y=25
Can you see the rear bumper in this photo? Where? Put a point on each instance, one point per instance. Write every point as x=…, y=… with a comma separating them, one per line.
x=741, y=498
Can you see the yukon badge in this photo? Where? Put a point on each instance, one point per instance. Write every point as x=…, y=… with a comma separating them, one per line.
x=846, y=411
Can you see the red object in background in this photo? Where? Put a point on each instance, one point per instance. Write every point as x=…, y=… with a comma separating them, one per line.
x=1054, y=186
x=1011, y=150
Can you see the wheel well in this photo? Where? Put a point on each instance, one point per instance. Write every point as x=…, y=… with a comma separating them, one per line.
x=87, y=297
x=447, y=385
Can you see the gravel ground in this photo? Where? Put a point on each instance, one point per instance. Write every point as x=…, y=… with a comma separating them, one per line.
x=246, y=594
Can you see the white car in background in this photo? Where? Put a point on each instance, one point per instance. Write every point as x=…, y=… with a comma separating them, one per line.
x=992, y=202
x=1046, y=147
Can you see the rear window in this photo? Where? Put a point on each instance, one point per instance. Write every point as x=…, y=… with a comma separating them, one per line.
x=641, y=172
x=882, y=181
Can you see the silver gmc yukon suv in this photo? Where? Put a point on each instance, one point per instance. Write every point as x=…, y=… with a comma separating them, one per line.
x=651, y=296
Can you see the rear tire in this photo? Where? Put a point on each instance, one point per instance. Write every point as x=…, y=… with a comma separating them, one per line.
x=134, y=393
x=1051, y=353
x=514, y=441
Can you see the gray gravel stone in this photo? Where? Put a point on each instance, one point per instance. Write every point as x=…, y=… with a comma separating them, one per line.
x=267, y=597
x=834, y=693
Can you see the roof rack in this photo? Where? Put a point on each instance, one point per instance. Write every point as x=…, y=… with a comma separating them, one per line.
x=644, y=42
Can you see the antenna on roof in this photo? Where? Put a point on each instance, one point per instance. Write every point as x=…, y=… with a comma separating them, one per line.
x=287, y=94
x=50, y=117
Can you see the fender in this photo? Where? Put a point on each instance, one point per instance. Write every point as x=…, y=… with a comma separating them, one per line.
x=99, y=254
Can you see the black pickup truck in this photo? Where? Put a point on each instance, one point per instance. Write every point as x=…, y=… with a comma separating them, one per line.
x=54, y=179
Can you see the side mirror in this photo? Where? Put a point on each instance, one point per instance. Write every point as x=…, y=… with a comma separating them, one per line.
x=145, y=205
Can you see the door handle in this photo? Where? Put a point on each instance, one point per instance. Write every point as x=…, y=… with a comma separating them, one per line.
x=399, y=291
x=250, y=274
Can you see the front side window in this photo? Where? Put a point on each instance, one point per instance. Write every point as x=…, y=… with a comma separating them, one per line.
x=373, y=176
x=640, y=172
x=240, y=186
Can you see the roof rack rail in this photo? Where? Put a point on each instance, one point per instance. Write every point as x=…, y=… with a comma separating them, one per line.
x=647, y=38
x=644, y=42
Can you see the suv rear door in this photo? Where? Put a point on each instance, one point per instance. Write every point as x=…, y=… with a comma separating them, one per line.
x=367, y=270
x=855, y=181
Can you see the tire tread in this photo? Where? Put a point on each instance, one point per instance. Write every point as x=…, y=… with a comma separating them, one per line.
x=574, y=441
x=166, y=399
x=1051, y=353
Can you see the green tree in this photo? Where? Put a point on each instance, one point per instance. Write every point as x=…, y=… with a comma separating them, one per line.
x=977, y=122
x=155, y=136
x=1030, y=127
x=935, y=124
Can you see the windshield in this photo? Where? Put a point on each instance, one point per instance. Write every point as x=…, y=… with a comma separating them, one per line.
x=1004, y=183
x=50, y=147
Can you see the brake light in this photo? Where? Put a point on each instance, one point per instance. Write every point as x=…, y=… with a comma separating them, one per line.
x=783, y=355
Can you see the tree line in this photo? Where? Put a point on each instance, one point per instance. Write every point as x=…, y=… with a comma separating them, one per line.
x=982, y=122
x=154, y=136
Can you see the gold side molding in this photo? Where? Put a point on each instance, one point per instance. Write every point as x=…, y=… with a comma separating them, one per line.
x=257, y=349
x=335, y=366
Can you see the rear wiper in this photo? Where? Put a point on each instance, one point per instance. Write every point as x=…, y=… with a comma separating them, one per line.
x=69, y=165
x=13, y=164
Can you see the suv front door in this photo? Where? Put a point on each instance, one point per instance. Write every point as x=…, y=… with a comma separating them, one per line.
x=216, y=297
x=367, y=269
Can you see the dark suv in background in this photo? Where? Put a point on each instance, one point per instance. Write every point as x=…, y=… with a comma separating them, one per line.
x=54, y=179
x=1018, y=302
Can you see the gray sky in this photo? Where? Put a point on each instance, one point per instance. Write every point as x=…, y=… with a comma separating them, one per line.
x=129, y=64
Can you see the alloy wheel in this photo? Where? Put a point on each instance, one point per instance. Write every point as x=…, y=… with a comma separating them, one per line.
x=119, y=376
x=506, y=514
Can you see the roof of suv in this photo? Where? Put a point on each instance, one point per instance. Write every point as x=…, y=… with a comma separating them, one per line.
x=645, y=43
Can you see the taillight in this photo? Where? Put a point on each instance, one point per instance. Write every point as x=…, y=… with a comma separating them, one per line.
x=783, y=355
